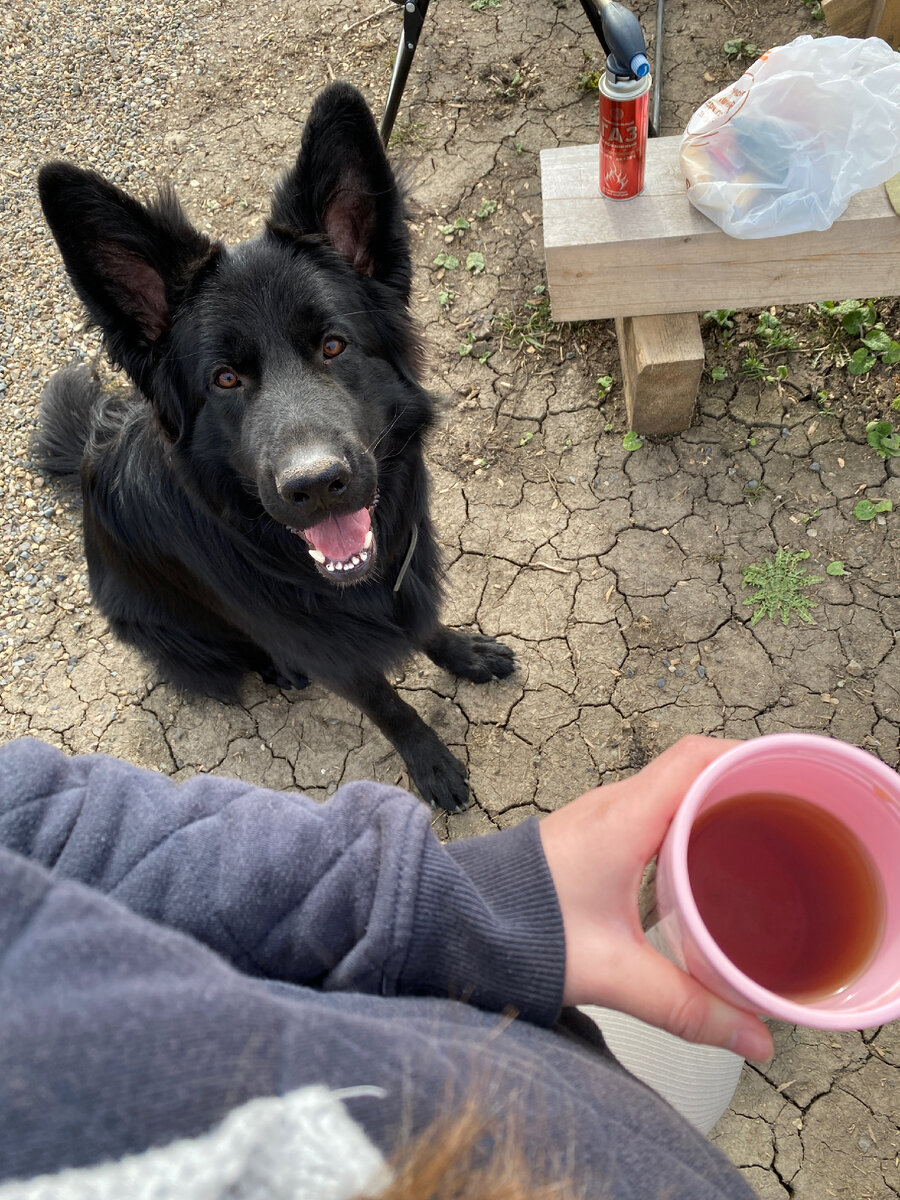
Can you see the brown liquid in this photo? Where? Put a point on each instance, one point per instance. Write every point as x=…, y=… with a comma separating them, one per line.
x=788, y=892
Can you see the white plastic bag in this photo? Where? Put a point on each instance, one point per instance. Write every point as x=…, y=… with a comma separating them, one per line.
x=784, y=148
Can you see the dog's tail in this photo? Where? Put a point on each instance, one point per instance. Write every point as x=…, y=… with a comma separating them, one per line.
x=64, y=425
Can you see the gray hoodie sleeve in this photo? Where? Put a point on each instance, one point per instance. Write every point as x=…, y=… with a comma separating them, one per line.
x=355, y=894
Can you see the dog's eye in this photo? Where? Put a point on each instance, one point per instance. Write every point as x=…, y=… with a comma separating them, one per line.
x=333, y=346
x=227, y=379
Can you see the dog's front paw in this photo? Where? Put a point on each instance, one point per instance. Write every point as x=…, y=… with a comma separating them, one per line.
x=438, y=776
x=483, y=658
x=471, y=655
x=288, y=681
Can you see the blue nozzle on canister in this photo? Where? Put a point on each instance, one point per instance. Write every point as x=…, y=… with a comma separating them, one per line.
x=624, y=40
x=640, y=66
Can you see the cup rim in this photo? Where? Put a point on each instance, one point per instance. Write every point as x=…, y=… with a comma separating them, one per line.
x=757, y=997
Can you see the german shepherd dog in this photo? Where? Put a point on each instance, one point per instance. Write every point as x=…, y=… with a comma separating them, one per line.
x=259, y=500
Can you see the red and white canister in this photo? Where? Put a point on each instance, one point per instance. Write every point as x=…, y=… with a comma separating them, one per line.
x=624, y=110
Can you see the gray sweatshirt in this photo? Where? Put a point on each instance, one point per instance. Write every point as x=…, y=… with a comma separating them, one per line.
x=170, y=952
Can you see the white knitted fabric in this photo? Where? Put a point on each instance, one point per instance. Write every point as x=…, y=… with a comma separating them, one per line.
x=303, y=1146
x=698, y=1081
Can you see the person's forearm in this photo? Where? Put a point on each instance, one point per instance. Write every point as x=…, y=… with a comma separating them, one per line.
x=354, y=894
x=279, y=885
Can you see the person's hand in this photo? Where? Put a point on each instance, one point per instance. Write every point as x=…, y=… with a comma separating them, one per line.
x=597, y=848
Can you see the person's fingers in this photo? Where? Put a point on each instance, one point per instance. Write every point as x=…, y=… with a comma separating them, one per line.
x=658, y=992
x=654, y=794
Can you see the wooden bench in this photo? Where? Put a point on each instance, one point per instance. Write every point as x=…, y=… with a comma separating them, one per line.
x=654, y=262
x=864, y=18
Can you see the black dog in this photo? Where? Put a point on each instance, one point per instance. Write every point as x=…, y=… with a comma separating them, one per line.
x=259, y=502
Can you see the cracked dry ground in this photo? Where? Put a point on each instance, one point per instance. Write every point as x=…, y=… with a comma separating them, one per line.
x=617, y=577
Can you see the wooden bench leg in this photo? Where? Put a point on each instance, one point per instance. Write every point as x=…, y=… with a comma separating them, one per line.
x=662, y=361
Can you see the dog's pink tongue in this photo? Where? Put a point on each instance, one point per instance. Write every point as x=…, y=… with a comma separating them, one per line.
x=340, y=537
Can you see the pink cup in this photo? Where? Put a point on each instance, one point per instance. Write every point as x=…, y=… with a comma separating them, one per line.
x=853, y=786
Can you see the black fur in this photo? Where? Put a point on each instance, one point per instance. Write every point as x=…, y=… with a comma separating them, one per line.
x=275, y=389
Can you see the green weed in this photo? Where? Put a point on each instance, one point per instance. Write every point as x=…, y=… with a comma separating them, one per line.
x=604, y=385
x=866, y=510
x=769, y=330
x=883, y=439
x=780, y=584
x=741, y=48
x=531, y=328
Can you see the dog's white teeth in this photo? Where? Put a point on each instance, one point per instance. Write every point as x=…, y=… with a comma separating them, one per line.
x=363, y=556
x=368, y=542
x=317, y=556
x=355, y=560
x=329, y=566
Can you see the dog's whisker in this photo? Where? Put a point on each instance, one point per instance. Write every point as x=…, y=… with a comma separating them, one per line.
x=387, y=429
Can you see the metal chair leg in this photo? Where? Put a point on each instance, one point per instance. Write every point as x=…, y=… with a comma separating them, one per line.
x=413, y=19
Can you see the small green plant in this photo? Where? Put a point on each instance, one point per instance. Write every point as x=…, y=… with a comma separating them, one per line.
x=780, y=584
x=510, y=88
x=741, y=48
x=853, y=316
x=529, y=329
x=478, y=5
x=604, y=385
x=722, y=318
x=411, y=133
x=486, y=209
x=458, y=225
x=717, y=374
x=632, y=441
x=815, y=10
x=865, y=510
x=588, y=81
x=475, y=262
x=446, y=298
x=526, y=438
x=753, y=367
x=769, y=329
x=861, y=361
x=856, y=319
x=835, y=568
x=883, y=344
x=448, y=261
x=881, y=437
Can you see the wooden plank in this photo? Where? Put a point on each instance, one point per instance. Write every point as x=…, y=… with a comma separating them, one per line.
x=885, y=22
x=662, y=361
x=848, y=18
x=657, y=254
x=864, y=18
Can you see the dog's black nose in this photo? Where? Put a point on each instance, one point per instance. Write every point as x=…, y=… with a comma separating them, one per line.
x=312, y=483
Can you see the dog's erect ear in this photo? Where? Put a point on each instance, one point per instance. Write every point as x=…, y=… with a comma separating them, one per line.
x=129, y=263
x=342, y=187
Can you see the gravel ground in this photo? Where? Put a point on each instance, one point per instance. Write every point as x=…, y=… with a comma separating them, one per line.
x=90, y=85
